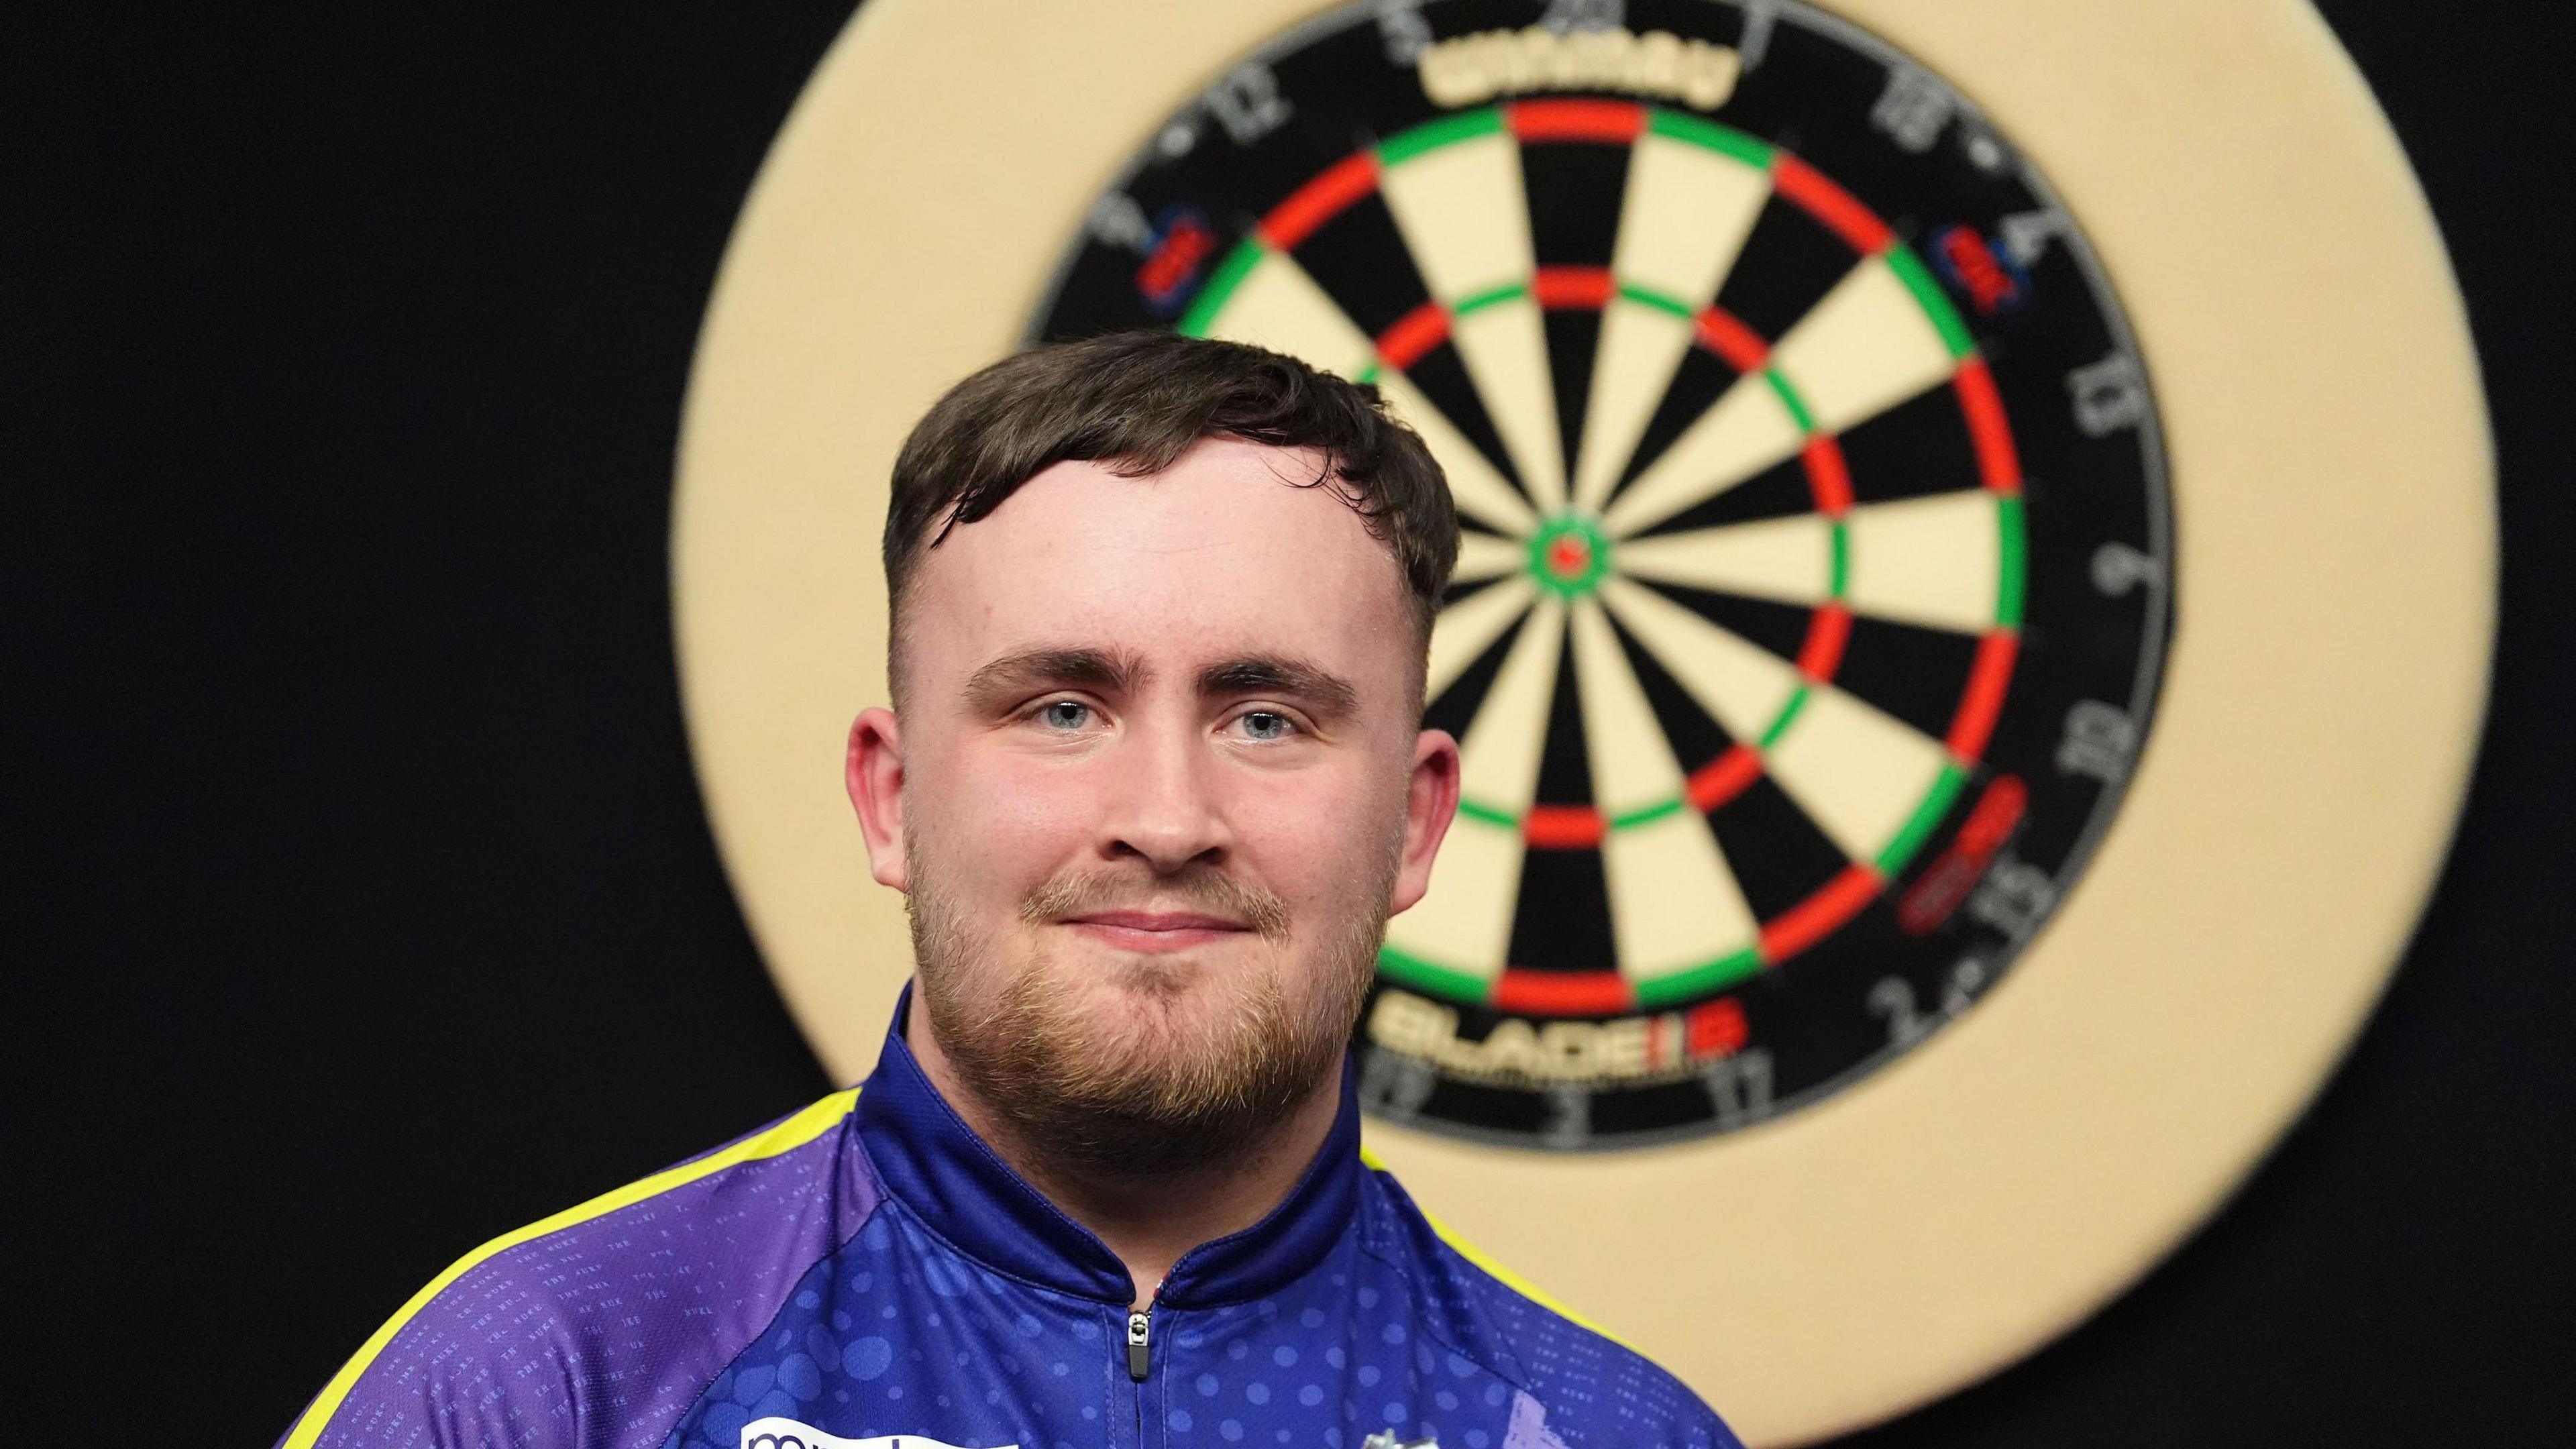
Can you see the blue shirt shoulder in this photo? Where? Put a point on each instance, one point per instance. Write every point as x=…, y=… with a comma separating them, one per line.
x=1595, y=1391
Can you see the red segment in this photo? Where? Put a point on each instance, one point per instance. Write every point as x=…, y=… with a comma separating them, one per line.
x=1997, y=464
x=1320, y=200
x=1828, y=630
x=1723, y=778
x=1572, y=288
x=1974, y=262
x=1562, y=993
x=1992, y=821
x=1721, y=332
x=1176, y=261
x=1414, y=333
x=1983, y=699
x=1839, y=210
x=1946, y=881
x=1716, y=1029
x=1819, y=915
x=1615, y=122
x=1563, y=827
x=1569, y=556
x=1827, y=477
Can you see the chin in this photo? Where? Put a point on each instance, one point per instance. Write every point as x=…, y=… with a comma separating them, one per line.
x=1157, y=980
x=1130, y=1005
x=1159, y=996
x=1123, y=1062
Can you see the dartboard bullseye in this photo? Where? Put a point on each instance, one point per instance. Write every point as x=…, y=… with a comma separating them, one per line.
x=1816, y=576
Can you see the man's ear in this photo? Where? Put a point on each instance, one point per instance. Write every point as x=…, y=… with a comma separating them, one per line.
x=1431, y=802
x=873, y=773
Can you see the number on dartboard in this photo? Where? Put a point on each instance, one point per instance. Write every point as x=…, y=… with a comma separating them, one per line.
x=1563, y=16
x=2119, y=567
x=2014, y=897
x=1118, y=221
x=2101, y=741
x=2026, y=234
x=1966, y=979
x=1739, y=1087
x=1755, y=42
x=1732, y=329
x=1892, y=998
x=1247, y=103
x=1912, y=108
x=2109, y=394
x=1393, y=1085
x=1569, y=1117
x=1405, y=32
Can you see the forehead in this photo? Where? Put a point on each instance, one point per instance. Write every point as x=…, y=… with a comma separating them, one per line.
x=1228, y=551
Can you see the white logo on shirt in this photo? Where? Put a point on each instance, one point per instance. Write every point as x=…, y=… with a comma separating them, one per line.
x=775, y=1433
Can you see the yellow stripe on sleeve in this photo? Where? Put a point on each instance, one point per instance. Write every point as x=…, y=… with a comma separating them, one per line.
x=787, y=1136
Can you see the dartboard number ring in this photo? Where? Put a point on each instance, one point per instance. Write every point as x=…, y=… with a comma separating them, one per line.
x=1816, y=576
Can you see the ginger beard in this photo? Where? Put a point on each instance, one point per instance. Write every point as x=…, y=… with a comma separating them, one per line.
x=1122, y=1065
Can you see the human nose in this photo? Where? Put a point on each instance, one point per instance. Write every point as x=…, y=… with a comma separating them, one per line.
x=1164, y=806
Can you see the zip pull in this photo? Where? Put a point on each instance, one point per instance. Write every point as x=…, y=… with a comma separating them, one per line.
x=1140, y=1323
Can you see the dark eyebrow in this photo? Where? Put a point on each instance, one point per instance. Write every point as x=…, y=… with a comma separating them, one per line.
x=1013, y=677
x=1328, y=693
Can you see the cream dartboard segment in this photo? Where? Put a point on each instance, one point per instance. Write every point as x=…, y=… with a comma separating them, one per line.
x=1761, y=488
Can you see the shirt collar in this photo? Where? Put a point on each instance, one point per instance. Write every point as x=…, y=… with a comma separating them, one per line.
x=926, y=1155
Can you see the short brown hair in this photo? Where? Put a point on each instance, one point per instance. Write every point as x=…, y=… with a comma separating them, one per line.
x=1137, y=401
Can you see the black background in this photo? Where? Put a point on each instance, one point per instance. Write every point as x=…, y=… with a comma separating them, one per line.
x=358, y=904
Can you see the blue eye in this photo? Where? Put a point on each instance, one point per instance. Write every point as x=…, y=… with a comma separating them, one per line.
x=1264, y=724
x=1065, y=714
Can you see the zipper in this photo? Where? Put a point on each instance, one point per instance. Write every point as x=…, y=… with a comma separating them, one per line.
x=1140, y=1330
x=1140, y=1357
x=1140, y=1352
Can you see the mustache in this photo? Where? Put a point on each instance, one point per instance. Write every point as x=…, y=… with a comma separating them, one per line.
x=1200, y=888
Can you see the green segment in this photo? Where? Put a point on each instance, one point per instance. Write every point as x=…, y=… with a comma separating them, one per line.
x=1789, y=399
x=1717, y=975
x=1596, y=555
x=1842, y=558
x=1367, y=376
x=1477, y=301
x=1918, y=279
x=1725, y=140
x=1403, y=146
x=1918, y=827
x=1646, y=815
x=1229, y=274
x=1479, y=810
x=1787, y=717
x=1436, y=979
x=2016, y=561
x=1657, y=300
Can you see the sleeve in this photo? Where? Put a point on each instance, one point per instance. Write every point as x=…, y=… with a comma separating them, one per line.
x=603, y=1323
x=477, y=1358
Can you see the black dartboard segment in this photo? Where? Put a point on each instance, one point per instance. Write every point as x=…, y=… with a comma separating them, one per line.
x=1818, y=570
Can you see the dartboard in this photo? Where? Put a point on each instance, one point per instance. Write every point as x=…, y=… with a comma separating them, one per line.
x=1964, y=504
x=1815, y=574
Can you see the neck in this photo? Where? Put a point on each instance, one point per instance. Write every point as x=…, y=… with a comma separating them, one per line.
x=1148, y=1221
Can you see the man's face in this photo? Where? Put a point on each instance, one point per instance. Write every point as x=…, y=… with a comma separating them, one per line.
x=1156, y=784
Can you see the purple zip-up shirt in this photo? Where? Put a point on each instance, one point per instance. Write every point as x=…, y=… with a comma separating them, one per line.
x=867, y=1271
